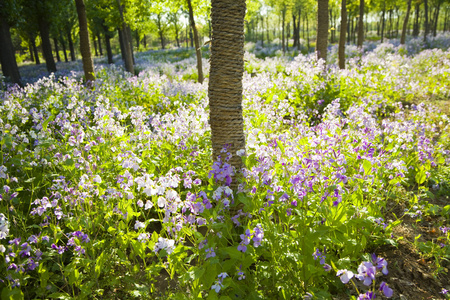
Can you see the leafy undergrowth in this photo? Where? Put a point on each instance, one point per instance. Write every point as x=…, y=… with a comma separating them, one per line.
x=111, y=192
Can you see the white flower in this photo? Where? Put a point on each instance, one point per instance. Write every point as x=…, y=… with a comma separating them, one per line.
x=240, y=152
x=148, y=205
x=161, y=202
x=97, y=179
x=165, y=244
x=4, y=227
x=139, y=225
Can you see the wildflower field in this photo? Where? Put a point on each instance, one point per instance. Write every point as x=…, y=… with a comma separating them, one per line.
x=111, y=193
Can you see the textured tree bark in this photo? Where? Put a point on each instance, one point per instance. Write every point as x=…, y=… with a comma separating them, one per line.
x=85, y=47
x=295, y=29
x=30, y=49
x=361, y=24
x=122, y=49
x=405, y=23
x=7, y=55
x=342, y=34
x=322, y=30
x=198, y=51
x=46, y=46
x=225, y=80
x=94, y=40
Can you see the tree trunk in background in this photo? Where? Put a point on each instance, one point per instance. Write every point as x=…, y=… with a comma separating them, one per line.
x=225, y=84
x=46, y=46
x=137, y=41
x=262, y=31
x=361, y=24
x=390, y=24
x=294, y=24
x=342, y=34
x=122, y=49
x=283, y=21
x=416, y=21
x=405, y=23
x=268, y=31
x=307, y=32
x=298, y=29
x=396, y=26
x=160, y=31
x=130, y=41
x=95, y=45
x=144, y=40
x=383, y=21
x=30, y=49
x=126, y=42
x=436, y=19
x=191, y=37
x=100, y=49
x=322, y=30
x=36, y=53
x=331, y=23
x=55, y=41
x=63, y=44
x=71, y=48
x=108, y=47
x=349, y=30
x=7, y=54
x=85, y=47
x=425, y=25
x=197, y=42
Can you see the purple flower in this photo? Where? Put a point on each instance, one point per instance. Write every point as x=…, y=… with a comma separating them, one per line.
x=345, y=275
x=368, y=295
x=258, y=235
x=444, y=291
x=380, y=263
x=366, y=273
x=387, y=291
x=210, y=252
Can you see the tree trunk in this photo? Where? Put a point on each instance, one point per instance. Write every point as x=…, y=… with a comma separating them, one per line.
x=63, y=44
x=144, y=40
x=225, y=84
x=307, y=32
x=262, y=31
x=108, y=47
x=342, y=34
x=425, y=2
x=85, y=47
x=361, y=24
x=137, y=40
x=191, y=36
x=160, y=31
x=126, y=42
x=100, y=49
x=283, y=21
x=130, y=41
x=30, y=49
x=268, y=31
x=436, y=19
x=298, y=29
x=46, y=46
x=55, y=41
x=36, y=53
x=197, y=42
x=7, y=55
x=405, y=23
x=121, y=44
x=294, y=24
x=383, y=21
x=95, y=45
x=416, y=20
x=397, y=25
x=72, y=49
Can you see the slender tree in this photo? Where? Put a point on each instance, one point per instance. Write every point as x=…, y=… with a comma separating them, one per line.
x=85, y=47
x=361, y=24
x=343, y=32
x=405, y=23
x=322, y=30
x=225, y=79
x=126, y=42
x=425, y=24
x=198, y=51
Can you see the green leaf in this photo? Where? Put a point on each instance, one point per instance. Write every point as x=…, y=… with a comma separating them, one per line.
x=367, y=165
x=421, y=176
x=14, y=294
